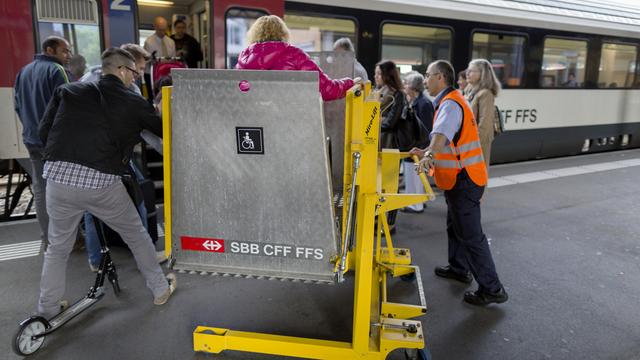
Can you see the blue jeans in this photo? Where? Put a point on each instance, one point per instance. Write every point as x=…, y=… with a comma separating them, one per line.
x=92, y=243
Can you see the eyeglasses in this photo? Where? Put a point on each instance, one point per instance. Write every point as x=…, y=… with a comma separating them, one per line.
x=133, y=71
x=427, y=75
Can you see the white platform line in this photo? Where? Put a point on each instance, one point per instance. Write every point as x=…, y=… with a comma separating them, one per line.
x=558, y=173
x=17, y=222
x=20, y=250
x=19, y=245
x=18, y=256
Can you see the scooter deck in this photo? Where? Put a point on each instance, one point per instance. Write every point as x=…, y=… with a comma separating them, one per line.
x=74, y=310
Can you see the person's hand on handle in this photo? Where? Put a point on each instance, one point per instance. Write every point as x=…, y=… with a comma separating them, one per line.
x=418, y=152
x=426, y=160
x=357, y=81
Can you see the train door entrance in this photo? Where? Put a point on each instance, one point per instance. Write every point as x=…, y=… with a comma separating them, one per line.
x=230, y=21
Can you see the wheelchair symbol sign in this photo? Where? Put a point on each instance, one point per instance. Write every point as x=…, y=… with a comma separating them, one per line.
x=249, y=140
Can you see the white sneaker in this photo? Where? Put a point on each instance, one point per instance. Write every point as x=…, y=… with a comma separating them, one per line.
x=93, y=268
x=161, y=256
x=162, y=299
x=64, y=305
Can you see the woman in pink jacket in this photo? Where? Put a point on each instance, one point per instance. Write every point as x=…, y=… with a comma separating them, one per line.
x=270, y=50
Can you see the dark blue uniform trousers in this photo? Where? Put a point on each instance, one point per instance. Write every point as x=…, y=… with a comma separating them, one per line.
x=468, y=246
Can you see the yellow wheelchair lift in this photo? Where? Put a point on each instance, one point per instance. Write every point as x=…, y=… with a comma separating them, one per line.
x=371, y=182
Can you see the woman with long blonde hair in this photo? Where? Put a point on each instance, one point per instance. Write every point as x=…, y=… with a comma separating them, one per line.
x=481, y=92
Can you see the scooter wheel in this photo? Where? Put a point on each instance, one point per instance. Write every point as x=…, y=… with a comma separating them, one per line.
x=23, y=343
x=113, y=279
x=116, y=287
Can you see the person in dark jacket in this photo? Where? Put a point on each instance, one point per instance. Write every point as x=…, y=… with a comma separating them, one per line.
x=89, y=131
x=92, y=242
x=187, y=47
x=34, y=88
x=392, y=102
x=270, y=50
x=422, y=109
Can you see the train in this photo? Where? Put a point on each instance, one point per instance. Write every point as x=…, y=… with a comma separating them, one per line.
x=569, y=69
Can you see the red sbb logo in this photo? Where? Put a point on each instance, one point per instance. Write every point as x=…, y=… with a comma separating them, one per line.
x=202, y=244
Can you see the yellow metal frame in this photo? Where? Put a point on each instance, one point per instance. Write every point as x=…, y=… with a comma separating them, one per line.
x=379, y=327
x=166, y=165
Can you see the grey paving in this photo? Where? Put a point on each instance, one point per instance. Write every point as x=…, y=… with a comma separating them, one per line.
x=566, y=248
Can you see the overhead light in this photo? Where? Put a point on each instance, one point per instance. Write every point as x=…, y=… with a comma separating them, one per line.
x=157, y=3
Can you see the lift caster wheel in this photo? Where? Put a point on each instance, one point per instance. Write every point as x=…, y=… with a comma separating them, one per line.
x=24, y=342
x=409, y=277
x=417, y=354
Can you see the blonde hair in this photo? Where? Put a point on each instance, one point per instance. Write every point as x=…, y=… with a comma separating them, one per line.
x=488, y=78
x=268, y=28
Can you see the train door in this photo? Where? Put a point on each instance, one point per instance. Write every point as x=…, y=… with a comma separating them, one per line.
x=231, y=20
x=219, y=26
x=194, y=16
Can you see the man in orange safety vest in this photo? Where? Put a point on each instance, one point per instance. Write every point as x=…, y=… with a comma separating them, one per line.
x=455, y=157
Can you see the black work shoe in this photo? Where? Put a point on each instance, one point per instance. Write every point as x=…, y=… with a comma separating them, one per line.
x=485, y=298
x=447, y=272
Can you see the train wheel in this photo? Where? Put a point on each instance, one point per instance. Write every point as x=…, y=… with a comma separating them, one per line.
x=24, y=342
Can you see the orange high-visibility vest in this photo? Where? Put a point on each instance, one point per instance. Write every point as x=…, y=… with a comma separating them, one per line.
x=466, y=153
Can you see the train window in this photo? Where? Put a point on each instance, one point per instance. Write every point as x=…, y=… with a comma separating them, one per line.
x=413, y=47
x=506, y=54
x=318, y=33
x=563, y=63
x=617, y=65
x=238, y=22
x=75, y=21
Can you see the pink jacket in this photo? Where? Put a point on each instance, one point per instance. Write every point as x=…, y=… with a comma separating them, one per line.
x=277, y=55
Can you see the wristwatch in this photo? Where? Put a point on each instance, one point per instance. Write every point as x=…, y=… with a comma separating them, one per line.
x=428, y=154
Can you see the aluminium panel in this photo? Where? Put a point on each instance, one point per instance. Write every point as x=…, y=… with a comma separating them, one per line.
x=250, y=183
x=337, y=65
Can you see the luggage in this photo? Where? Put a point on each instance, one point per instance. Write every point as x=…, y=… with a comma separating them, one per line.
x=411, y=132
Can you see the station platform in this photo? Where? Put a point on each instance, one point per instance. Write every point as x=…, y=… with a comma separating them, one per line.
x=564, y=236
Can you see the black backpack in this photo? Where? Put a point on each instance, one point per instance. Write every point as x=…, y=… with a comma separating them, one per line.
x=411, y=131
